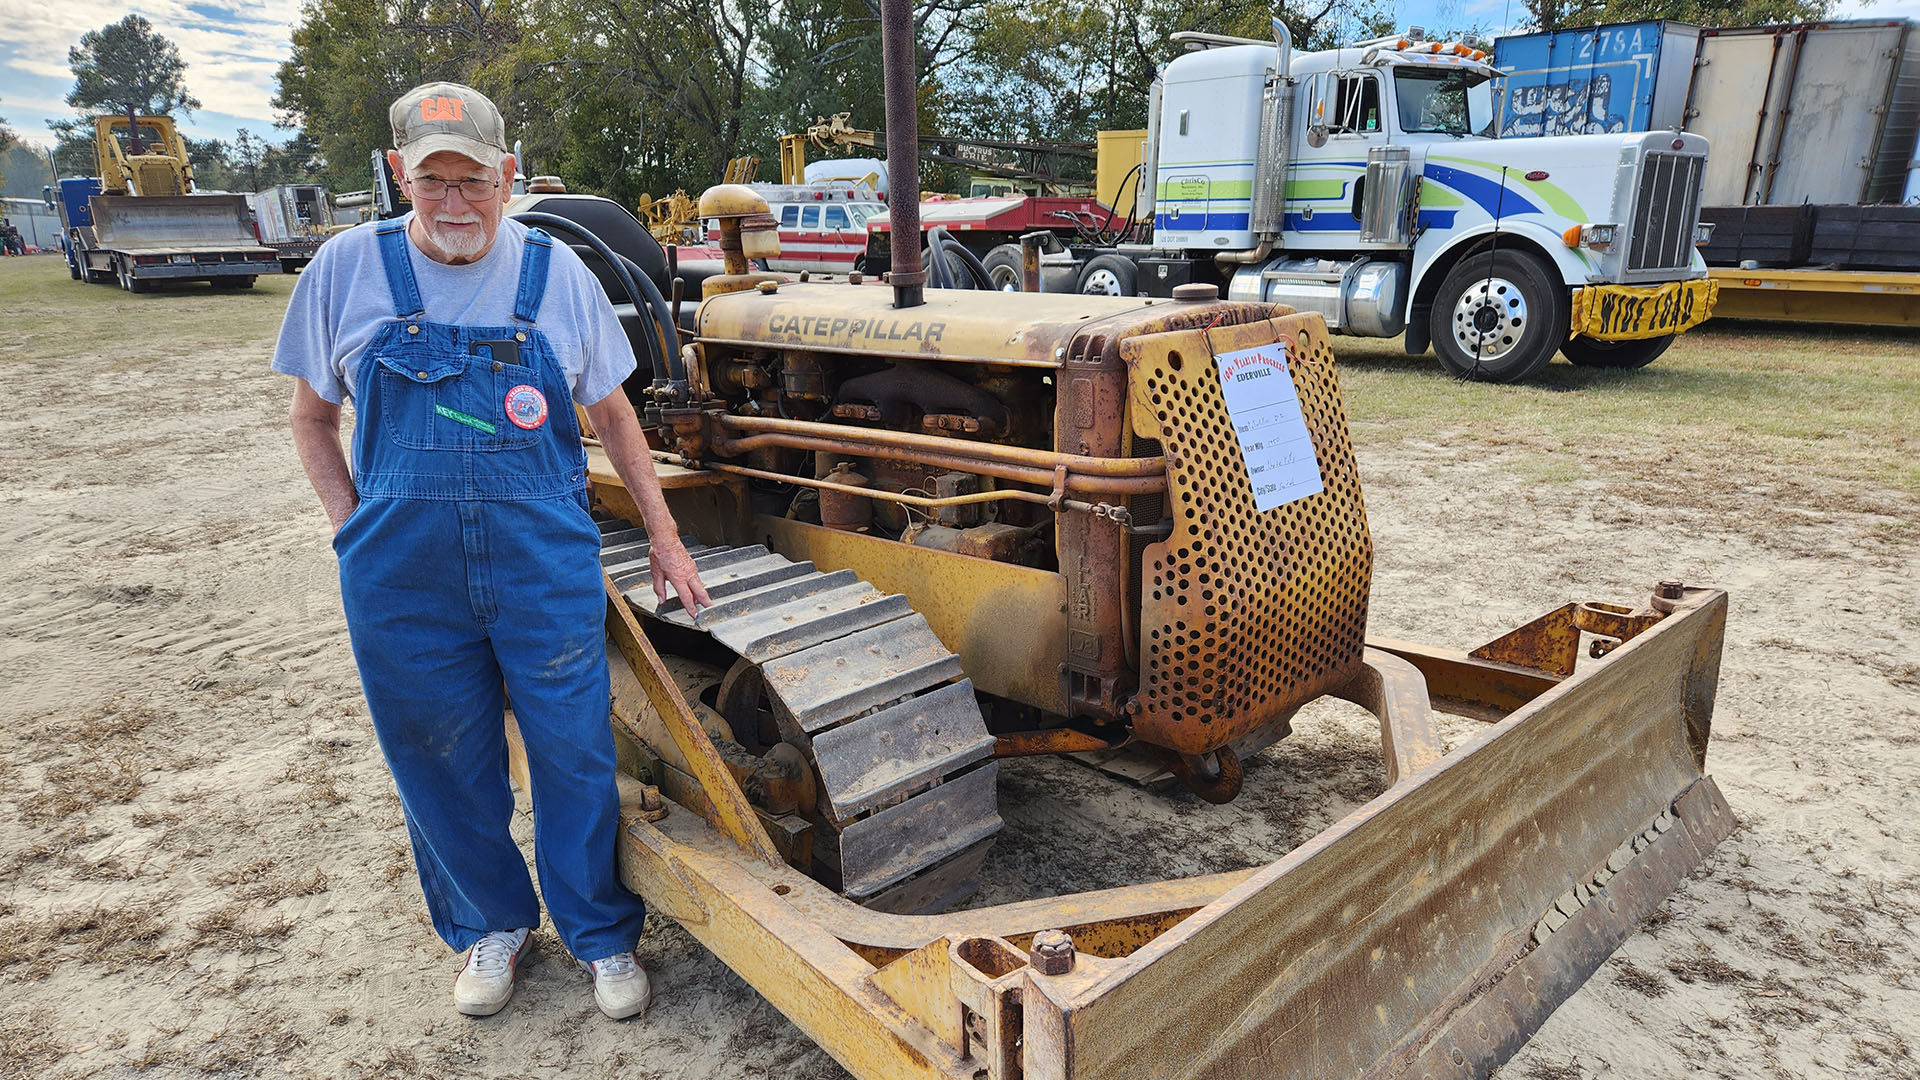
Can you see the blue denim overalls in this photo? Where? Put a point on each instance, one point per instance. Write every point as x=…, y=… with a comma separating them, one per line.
x=472, y=560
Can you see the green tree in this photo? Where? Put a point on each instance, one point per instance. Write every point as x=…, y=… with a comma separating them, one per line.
x=212, y=161
x=125, y=67
x=1567, y=14
x=249, y=153
x=291, y=162
x=73, y=152
x=7, y=139
x=352, y=58
x=25, y=171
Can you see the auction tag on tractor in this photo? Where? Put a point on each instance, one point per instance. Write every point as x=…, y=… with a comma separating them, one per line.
x=1270, y=425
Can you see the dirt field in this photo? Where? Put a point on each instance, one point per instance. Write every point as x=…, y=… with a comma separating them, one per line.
x=203, y=869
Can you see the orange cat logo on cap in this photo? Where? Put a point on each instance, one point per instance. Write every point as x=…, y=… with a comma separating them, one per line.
x=440, y=108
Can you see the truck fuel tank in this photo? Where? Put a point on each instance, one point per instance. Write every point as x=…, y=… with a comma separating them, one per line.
x=1365, y=297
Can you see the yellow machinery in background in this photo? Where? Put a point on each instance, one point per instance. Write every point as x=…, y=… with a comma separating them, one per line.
x=827, y=133
x=674, y=220
x=146, y=222
x=1120, y=156
x=142, y=155
x=671, y=220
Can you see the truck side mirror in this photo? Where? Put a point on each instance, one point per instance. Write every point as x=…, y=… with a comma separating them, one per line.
x=1317, y=110
x=46, y=195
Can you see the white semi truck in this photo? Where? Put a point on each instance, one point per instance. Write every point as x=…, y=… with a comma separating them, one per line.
x=1356, y=182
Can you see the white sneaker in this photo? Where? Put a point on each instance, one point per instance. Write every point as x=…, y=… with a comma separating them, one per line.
x=484, y=985
x=620, y=985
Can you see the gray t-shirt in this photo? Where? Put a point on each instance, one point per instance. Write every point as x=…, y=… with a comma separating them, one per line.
x=341, y=301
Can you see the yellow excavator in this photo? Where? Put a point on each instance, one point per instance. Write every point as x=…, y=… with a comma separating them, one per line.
x=673, y=219
x=826, y=132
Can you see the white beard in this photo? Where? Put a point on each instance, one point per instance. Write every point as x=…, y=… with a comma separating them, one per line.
x=460, y=243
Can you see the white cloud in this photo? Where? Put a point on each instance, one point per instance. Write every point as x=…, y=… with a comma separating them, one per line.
x=231, y=47
x=1877, y=9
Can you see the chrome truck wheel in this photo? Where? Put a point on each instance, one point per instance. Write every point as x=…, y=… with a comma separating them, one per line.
x=1005, y=267
x=1107, y=275
x=1500, y=317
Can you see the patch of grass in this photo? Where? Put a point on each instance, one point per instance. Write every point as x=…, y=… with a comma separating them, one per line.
x=1535, y=468
x=265, y=1035
x=230, y=930
x=52, y=317
x=1739, y=399
x=1707, y=968
x=1640, y=980
x=113, y=936
x=319, y=778
x=27, y=1045
x=78, y=787
x=257, y=881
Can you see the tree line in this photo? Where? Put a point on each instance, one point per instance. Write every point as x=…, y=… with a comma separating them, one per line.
x=621, y=97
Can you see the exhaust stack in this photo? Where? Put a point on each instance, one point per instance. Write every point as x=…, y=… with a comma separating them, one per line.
x=909, y=276
x=1268, y=218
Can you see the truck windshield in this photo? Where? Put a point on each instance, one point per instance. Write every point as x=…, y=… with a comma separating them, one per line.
x=1443, y=100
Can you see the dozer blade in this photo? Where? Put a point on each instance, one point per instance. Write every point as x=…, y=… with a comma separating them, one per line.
x=1427, y=934
x=1432, y=931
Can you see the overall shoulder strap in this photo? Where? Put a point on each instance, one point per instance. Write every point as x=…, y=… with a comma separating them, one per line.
x=398, y=263
x=533, y=276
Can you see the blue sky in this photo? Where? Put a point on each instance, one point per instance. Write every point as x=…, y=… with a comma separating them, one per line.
x=233, y=47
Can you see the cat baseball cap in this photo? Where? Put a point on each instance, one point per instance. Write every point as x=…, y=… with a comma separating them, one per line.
x=447, y=116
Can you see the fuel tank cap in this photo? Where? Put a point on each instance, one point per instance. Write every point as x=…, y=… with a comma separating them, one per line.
x=1196, y=292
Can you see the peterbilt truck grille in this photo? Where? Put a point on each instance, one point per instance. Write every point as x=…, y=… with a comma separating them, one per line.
x=1664, y=212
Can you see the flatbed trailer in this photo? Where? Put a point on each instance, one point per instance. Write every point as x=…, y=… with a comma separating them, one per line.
x=1849, y=297
x=136, y=240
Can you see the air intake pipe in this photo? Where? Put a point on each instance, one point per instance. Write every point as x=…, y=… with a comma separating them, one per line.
x=909, y=275
x=1146, y=196
x=1270, y=157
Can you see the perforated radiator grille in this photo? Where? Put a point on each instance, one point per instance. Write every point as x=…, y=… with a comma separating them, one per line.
x=1245, y=614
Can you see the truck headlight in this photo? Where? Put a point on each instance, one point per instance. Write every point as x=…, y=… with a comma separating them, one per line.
x=1597, y=237
x=1703, y=234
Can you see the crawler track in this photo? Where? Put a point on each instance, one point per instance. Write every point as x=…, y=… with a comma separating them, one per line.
x=857, y=681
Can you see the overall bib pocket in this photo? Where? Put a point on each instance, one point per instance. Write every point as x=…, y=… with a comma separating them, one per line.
x=437, y=402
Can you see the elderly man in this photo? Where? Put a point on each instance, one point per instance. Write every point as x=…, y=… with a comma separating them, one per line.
x=469, y=567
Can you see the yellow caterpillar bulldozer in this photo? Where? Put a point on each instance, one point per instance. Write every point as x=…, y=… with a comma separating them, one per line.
x=947, y=527
x=142, y=219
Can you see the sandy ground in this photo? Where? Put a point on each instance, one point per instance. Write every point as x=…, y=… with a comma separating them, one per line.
x=203, y=869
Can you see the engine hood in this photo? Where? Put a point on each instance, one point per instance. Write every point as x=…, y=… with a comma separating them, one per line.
x=1571, y=178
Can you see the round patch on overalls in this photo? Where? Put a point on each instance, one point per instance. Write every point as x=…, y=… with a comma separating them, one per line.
x=526, y=407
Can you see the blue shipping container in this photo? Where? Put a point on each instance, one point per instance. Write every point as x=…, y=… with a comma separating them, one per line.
x=1596, y=80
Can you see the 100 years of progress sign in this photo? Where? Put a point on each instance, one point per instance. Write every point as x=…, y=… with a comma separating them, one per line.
x=1267, y=419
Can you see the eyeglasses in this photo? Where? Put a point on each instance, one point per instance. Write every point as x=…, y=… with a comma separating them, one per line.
x=433, y=189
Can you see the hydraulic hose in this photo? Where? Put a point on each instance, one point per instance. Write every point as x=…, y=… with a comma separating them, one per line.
x=975, y=269
x=664, y=342
x=936, y=264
